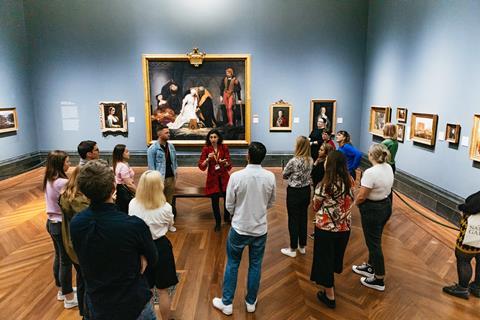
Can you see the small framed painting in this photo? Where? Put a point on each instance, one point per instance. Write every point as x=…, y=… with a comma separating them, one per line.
x=113, y=117
x=402, y=115
x=8, y=120
x=475, y=143
x=400, y=132
x=452, y=133
x=379, y=115
x=323, y=115
x=281, y=116
x=423, y=128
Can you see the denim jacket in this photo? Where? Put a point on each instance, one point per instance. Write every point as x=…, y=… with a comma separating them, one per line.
x=156, y=158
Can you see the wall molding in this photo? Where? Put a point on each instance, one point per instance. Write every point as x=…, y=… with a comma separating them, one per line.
x=443, y=202
x=20, y=164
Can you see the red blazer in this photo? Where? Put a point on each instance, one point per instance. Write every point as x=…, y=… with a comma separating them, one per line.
x=216, y=177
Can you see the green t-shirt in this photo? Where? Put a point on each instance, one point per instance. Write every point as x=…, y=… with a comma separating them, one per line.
x=392, y=146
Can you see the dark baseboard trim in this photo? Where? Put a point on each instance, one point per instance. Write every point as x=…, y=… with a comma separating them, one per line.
x=17, y=165
x=442, y=202
x=186, y=158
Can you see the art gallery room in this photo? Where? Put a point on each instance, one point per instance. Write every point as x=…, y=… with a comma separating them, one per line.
x=383, y=94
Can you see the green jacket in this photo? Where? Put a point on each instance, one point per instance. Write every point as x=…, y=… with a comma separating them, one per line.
x=69, y=209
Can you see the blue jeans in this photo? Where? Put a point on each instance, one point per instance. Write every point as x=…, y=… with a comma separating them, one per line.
x=235, y=245
x=147, y=313
x=62, y=265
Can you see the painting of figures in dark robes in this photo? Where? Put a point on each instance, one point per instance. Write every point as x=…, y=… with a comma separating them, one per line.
x=192, y=100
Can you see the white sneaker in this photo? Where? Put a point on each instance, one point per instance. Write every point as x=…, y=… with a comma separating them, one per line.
x=289, y=252
x=301, y=250
x=61, y=296
x=251, y=307
x=218, y=303
x=172, y=229
x=69, y=304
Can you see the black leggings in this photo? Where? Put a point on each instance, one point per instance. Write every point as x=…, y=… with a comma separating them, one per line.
x=464, y=268
x=216, y=207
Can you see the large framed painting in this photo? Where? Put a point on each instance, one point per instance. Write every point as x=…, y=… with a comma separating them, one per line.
x=379, y=115
x=400, y=132
x=195, y=92
x=113, y=117
x=323, y=114
x=8, y=120
x=452, y=133
x=423, y=128
x=281, y=116
x=475, y=143
x=402, y=114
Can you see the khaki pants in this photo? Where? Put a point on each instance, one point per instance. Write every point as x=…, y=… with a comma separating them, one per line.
x=169, y=185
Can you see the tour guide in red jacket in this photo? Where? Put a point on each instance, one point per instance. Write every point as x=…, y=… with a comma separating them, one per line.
x=216, y=158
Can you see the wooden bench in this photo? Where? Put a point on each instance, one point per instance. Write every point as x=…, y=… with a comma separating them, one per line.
x=187, y=192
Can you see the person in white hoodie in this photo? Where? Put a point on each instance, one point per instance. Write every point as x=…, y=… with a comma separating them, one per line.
x=250, y=192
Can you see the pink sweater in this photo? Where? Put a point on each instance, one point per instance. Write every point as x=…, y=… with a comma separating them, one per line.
x=52, y=194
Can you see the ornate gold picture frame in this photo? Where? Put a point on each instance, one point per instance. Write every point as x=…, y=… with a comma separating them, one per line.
x=402, y=114
x=452, y=133
x=281, y=116
x=400, y=132
x=195, y=92
x=423, y=128
x=8, y=120
x=475, y=142
x=113, y=117
x=379, y=115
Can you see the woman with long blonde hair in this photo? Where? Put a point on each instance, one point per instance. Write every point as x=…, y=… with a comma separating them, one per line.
x=151, y=206
x=298, y=173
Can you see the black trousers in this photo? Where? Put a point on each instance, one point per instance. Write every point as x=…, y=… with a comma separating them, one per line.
x=328, y=252
x=82, y=306
x=298, y=200
x=394, y=168
x=374, y=216
x=62, y=265
x=124, y=196
x=464, y=267
x=216, y=208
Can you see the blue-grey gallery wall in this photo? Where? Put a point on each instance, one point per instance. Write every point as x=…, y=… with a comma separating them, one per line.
x=83, y=52
x=423, y=55
x=14, y=84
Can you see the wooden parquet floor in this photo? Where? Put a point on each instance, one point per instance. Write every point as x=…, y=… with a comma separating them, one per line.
x=419, y=261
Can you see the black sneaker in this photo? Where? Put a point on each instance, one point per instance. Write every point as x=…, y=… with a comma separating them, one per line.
x=457, y=291
x=474, y=289
x=374, y=283
x=322, y=296
x=365, y=270
x=217, y=227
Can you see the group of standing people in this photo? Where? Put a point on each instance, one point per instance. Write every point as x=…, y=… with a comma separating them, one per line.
x=332, y=172
x=87, y=228
x=88, y=223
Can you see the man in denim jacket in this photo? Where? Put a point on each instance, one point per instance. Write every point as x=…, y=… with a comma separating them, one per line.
x=161, y=156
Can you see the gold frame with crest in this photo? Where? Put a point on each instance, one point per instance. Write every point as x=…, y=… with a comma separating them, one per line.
x=195, y=62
